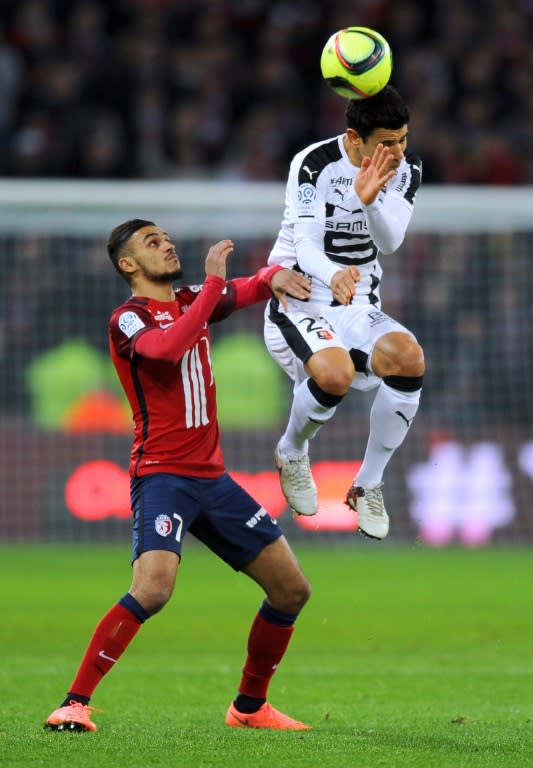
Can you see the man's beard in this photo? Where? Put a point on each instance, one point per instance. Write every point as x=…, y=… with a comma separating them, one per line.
x=166, y=279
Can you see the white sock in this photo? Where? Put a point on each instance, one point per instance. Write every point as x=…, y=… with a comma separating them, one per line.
x=391, y=415
x=307, y=416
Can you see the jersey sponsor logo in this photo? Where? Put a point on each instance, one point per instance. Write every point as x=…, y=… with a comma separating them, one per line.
x=308, y=171
x=129, y=323
x=401, y=183
x=377, y=317
x=337, y=197
x=164, y=326
x=306, y=198
x=348, y=226
x=259, y=515
x=160, y=316
x=163, y=525
x=341, y=181
x=194, y=386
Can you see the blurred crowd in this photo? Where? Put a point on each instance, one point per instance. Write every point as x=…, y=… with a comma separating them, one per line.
x=232, y=88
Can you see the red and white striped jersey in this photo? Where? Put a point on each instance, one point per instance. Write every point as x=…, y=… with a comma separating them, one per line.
x=161, y=351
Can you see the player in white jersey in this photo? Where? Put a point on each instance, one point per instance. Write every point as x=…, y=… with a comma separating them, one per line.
x=348, y=200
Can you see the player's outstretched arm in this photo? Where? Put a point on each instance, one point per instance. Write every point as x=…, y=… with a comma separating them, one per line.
x=244, y=291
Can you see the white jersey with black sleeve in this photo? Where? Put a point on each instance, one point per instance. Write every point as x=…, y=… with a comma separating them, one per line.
x=325, y=226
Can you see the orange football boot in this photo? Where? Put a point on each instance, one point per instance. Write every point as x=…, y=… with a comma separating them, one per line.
x=265, y=717
x=73, y=717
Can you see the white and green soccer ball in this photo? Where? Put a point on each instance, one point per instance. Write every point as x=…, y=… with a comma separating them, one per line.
x=356, y=62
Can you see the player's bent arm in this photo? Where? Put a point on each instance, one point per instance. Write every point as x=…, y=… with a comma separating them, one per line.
x=309, y=247
x=242, y=292
x=314, y=262
x=387, y=221
x=171, y=343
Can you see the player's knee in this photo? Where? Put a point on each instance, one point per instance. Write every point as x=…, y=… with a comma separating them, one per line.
x=297, y=594
x=335, y=380
x=154, y=596
x=159, y=600
x=304, y=593
x=332, y=373
x=291, y=595
x=412, y=362
x=398, y=359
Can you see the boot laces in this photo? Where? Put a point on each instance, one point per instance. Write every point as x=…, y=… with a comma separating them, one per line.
x=298, y=470
x=374, y=500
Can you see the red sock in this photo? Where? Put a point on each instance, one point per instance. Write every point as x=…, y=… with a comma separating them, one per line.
x=267, y=644
x=110, y=639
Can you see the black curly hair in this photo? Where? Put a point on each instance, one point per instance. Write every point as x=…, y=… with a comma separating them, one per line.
x=386, y=109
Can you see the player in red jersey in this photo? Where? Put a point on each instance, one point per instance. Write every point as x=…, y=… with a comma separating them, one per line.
x=159, y=342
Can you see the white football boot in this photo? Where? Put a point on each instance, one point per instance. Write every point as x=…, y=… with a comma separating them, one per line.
x=370, y=508
x=297, y=483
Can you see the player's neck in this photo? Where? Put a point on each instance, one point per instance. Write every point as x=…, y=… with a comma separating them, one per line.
x=155, y=291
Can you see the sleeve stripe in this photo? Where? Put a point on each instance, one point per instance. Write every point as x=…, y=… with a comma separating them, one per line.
x=415, y=166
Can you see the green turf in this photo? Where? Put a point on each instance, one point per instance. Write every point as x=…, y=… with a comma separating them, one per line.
x=403, y=657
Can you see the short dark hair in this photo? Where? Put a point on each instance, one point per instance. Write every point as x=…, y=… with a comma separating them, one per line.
x=120, y=235
x=386, y=109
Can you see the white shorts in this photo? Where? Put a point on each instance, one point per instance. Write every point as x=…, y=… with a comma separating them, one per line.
x=292, y=337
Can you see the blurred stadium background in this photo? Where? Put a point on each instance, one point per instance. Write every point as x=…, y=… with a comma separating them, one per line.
x=188, y=113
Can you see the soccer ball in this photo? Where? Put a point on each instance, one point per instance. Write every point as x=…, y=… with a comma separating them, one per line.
x=356, y=62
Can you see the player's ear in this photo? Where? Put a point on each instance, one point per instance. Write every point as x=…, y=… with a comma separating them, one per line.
x=353, y=137
x=127, y=264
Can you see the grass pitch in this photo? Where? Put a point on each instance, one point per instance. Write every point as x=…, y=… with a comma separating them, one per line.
x=403, y=657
